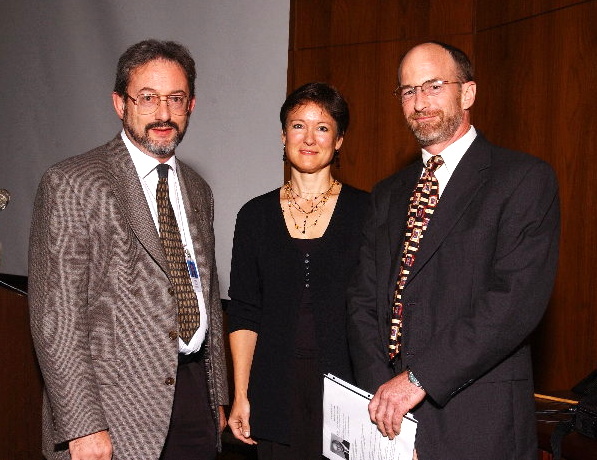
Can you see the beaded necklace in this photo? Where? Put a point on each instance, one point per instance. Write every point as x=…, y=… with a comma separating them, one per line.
x=317, y=204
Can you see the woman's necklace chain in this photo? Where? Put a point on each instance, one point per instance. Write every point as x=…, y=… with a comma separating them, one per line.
x=317, y=204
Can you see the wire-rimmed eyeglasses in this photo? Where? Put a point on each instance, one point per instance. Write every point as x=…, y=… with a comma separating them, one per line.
x=148, y=103
x=429, y=88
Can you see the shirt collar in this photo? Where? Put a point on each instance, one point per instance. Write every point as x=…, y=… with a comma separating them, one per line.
x=453, y=153
x=144, y=164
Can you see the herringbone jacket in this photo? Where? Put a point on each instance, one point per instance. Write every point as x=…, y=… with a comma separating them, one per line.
x=101, y=311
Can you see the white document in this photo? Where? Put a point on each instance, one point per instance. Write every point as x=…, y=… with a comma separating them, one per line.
x=348, y=432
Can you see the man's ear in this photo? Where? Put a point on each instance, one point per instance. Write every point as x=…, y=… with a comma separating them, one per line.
x=191, y=105
x=469, y=91
x=118, y=102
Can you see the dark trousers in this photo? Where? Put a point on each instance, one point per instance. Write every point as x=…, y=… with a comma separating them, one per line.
x=192, y=432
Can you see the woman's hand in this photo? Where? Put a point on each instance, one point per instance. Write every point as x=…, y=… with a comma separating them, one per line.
x=239, y=420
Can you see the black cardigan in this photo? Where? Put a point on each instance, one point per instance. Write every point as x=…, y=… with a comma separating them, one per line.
x=266, y=282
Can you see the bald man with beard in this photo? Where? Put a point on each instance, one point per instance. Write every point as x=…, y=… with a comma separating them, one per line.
x=442, y=330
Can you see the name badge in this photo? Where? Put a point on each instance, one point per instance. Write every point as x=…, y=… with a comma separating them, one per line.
x=193, y=273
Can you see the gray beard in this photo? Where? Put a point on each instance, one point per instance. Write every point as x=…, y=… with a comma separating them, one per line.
x=159, y=149
x=428, y=134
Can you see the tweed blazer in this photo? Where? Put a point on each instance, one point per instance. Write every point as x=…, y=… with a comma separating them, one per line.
x=101, y=311
x=480, y=284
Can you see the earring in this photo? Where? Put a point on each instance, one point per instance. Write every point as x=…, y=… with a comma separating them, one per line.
x=284, y=159
x=336, y=158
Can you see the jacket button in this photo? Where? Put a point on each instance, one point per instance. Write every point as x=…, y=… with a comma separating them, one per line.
x=171, y=290
x=173, y=335
x=169, y=381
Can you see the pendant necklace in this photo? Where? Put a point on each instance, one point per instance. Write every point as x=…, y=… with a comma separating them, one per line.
x=309, y=216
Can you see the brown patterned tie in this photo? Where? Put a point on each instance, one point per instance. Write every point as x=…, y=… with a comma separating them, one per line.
x=188, y=309
x=423, y=201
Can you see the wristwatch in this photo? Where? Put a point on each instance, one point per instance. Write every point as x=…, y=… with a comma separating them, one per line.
x=412, y=379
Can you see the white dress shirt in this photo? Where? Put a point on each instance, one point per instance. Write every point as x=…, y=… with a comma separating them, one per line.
x=452, y=155
x=146, y=170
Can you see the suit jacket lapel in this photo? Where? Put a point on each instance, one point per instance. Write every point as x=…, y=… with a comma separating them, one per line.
x=129, y=192
x=197, y=209
x=466, y=180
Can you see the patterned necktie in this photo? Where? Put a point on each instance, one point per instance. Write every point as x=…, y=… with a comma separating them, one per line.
x=188, y=309
x=423, y=201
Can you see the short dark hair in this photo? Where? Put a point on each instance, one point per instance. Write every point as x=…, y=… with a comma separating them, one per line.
x=463, y=63
x=149, y=50
x=325, y=96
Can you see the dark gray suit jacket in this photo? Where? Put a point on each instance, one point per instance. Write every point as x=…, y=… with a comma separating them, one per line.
x=479, y=286
x=101, y=314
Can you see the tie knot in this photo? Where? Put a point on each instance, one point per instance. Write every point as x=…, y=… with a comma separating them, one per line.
x=434, y=162
x=162, y=169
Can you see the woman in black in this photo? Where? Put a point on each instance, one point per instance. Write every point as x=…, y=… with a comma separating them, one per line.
x=294, y=252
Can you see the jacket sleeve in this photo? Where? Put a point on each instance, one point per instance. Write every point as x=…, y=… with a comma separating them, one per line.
x=244, y=310
x=367, y=351
x=217, y=351
x=58, y=300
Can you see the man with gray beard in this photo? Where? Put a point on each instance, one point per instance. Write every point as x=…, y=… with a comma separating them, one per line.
x=123, y=289
x=456, y=270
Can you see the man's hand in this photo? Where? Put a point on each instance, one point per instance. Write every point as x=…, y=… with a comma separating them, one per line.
x=96, y=446
x=392, y=401
x=239, y=420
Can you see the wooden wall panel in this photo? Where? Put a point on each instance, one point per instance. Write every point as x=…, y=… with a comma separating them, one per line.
x=534, y=96
x=419, y=20
x=491, y=13
x=321, y=23
x=20, y=398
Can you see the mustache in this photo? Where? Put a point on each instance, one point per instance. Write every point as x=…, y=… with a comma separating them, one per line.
x=430, y=113
x=162, y=124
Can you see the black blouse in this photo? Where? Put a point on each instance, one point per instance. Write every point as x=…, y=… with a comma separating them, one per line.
x=267, y=281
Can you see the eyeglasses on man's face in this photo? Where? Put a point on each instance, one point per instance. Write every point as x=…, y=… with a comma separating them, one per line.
x=429, y=88
x=148, y=103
